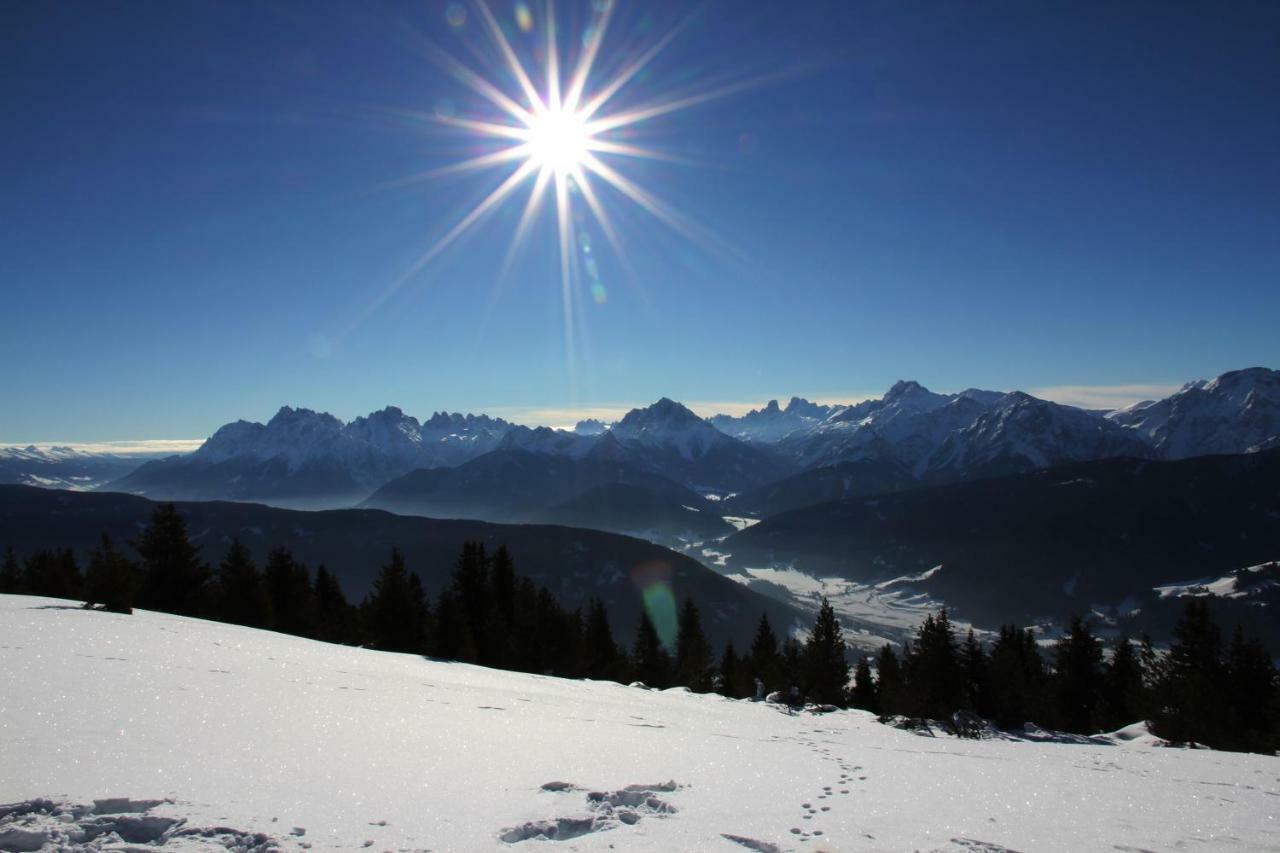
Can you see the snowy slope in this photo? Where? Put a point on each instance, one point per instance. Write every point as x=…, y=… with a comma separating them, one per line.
x=1235, y=413
x=259, y=732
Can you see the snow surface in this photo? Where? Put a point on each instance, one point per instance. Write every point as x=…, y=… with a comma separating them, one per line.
x=247, y=731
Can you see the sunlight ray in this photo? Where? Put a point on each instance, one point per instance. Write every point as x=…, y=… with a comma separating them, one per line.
x=509, y=55
x=630, y=71
x=588, y=59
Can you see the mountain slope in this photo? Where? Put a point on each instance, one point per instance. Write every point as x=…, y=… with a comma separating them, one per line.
x=574, y=564
x=1046, y=543
x=512, y=484
x=669, y=439
x=341, y=748
x=639, y=511
x=1234, y=413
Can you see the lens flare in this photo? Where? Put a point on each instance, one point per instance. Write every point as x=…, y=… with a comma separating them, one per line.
x=654, y=582
x=559, y=138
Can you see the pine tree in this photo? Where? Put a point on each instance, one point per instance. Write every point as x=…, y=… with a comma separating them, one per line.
x=762, y=660
x=53, y=573
x=934, y=678
x=391, y=610
x=791, y=666
x=863, y=694
x=1017, y=678
x=1252, y=696
x=499, y=625
x=470, y=589
x=1124, y=688
x=826, y=667
x=239, y=594
x=890, y=687
x=288, y=585
x=728, y=680
x=1077, y=678
x=335, y=617
x=110, y=579
x=601, y=656
x=693, y=652
x=650, y=662
x=10, y=573
x=1192, y=681
x=174, y=578
x=422, y=626
x=977, y=676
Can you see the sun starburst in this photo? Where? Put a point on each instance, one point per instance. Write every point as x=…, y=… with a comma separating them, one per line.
x=558, y=138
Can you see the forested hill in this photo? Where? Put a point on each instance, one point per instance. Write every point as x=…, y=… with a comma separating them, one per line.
x=575, y=564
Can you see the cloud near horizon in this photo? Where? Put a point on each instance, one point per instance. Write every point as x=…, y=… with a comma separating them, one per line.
x=142, y=447
x=1102, y=396
x=565, y=417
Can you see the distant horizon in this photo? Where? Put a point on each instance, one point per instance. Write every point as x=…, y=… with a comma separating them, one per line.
x=1094, y=397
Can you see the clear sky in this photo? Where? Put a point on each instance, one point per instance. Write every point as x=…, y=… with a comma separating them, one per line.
x=204, y=204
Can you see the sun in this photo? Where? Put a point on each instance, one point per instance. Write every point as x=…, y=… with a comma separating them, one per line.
x=563, y=140
x=559, y=140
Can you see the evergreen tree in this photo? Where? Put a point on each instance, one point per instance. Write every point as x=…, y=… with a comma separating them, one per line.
x=392, y=611
x=863, y=694
x=1124, y=688
x=453, y=640
x=693, y=651
x=650, y=662
x=729, y=675
x=977, y=676
x=826, y=667
x=1252, y=696
x=10, y=573
x=1077, y=678
x=500, y=616
x=110, y=578
x=335, y=617
x=422, y=627
x=792, y=670
x=53, y=573
x=174, y=578
x=890, y=688
x=470, y=589
x=762, y=660
x=935, y=680
x=1193, y=681
x=239, y=594
x=601, y=656
x=1017, y=678
x=288, y=585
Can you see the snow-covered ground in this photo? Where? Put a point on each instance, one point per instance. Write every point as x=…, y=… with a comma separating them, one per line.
x=872, y=614
x=246, y=731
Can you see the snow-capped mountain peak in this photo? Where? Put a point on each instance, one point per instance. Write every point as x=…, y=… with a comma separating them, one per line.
x=1236, y=412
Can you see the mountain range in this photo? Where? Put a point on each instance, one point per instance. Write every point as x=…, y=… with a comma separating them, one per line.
x=1031, y=506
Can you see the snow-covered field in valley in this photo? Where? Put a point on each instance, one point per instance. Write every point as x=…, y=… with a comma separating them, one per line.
x=239, y=732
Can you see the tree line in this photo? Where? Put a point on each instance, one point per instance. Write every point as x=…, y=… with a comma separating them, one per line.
x=1203, y=690
x=487, y=614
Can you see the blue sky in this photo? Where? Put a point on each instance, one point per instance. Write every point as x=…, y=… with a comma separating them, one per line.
x=202, y=199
